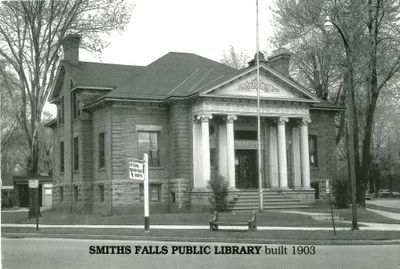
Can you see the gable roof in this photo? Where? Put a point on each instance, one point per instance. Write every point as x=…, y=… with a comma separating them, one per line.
x=174, y=74
x=271, y=72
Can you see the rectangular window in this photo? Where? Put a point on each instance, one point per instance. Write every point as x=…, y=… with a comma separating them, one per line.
x=76, y=153
x=154, y=192
x=148, y=143
x=76, y=193
x=101, y=192
x=75, y=106
x=61, y=194
x=312, y=147
x=62, y=156
x=213, y=157
x=101, y=145
x=60, y=111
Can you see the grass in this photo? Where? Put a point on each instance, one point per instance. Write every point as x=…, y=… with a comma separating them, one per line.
x=363, y=215
x=268, y=218
x=384, y=208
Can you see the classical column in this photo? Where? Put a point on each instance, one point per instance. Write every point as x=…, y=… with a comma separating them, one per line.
x=273, y=157
x=305, y=159
x=222, y=151
x=282, y=159
x=230, y=145
x=296, y=166
x=197, y=166
x=205, y=147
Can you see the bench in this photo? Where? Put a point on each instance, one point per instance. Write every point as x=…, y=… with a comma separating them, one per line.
x=251, y=224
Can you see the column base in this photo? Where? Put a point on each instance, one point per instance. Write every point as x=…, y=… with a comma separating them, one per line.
x=285, y=189
x=201, y=189
x=303, y=188
x=274, y=189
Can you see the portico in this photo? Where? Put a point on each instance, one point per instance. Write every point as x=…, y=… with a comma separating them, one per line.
x=284, y=127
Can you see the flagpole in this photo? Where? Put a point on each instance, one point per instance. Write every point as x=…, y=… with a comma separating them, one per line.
x=258, y=117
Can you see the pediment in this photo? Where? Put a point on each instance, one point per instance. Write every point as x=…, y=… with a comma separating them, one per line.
x=271, y=87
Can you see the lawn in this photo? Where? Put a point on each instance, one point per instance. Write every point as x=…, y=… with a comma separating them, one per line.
x=268, y=218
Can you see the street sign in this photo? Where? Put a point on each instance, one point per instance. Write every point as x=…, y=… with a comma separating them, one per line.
x=136, y=170
x=33, y=183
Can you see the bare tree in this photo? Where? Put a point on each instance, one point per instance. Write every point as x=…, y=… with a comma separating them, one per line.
x=235, y=59
x=365, y=47
x=31, y=33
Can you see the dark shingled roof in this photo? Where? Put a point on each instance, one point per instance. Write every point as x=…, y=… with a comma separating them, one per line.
x=101, y=74
x=174, y=74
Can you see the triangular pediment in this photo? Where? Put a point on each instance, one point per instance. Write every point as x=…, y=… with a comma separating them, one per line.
x=272, y=86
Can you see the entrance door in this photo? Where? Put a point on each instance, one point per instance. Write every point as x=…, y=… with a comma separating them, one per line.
x=246, y=168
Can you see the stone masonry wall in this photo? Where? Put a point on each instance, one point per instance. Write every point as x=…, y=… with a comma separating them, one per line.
x=180, y=148
x=323, y=126
x=125, y=120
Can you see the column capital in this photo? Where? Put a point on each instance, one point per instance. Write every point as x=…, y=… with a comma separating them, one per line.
x=231, y=117
x=283, y=120
x=203, y=117
x=305, y=120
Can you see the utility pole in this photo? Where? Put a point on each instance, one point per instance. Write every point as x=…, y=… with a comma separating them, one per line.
x=260, y=185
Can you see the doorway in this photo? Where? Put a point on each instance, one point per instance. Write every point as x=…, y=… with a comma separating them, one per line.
x=246, y=168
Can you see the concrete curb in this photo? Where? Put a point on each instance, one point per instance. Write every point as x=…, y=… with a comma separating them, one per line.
x=202, y=240
x=368, y=227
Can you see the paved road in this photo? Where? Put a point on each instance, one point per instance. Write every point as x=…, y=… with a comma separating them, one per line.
x=69, y=253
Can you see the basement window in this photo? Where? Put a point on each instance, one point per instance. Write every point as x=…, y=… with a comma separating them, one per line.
x=61, y=194
x=101, y=192
x=154, y=192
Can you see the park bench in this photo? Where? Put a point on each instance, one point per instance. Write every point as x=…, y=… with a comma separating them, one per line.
x=215, y=222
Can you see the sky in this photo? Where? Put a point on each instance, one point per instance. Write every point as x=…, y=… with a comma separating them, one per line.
x=206, y=27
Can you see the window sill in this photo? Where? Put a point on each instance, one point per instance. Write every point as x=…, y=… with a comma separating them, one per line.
x=101, y=169
x=156, y=168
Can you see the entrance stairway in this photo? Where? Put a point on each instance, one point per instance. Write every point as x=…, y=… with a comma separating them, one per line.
x=247, y=200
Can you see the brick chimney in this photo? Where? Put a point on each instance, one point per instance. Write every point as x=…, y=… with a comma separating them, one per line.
x=254, y=61
x=279, y=60
x=71, y=48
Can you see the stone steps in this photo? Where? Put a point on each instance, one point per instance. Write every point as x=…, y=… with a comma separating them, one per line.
x=249, y=201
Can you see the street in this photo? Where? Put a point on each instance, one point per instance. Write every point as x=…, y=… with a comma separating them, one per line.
x=72, y=253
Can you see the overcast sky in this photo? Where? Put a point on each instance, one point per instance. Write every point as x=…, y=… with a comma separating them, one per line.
x=206, y=27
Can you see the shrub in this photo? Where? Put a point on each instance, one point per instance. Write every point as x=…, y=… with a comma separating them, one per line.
x=341, y=192
x=219, y=186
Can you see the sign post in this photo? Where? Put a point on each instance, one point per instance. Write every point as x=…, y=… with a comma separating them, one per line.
x=139, y=170
x=34, y=185
x=146, y=194
x=328, y=191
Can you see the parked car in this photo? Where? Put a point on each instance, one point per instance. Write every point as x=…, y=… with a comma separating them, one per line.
x=386, y=193
x=383, y=193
